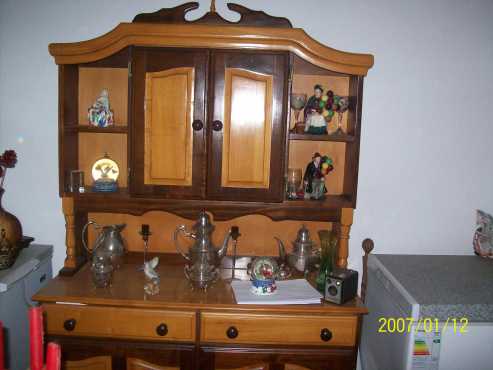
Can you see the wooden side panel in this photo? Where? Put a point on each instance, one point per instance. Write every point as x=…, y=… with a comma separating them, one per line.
x=168, y=127
x=137, y=364
x=247, y=129
x=93, y=363
x=93, y=80
x=93, y=146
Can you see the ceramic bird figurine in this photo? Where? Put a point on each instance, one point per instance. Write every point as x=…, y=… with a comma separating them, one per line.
x=149, y=269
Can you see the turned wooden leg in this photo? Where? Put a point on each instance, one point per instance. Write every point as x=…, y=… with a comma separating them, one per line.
x=344, y=228
x=68, y=213
x=75, y=258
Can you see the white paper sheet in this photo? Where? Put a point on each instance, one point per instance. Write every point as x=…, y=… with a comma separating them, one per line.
x=297, y=291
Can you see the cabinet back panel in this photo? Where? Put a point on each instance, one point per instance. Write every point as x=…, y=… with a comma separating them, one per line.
x=93, y=80
x=256, y=231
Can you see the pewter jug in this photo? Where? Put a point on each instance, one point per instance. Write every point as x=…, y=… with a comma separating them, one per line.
x=202, y=256
x=304, y=256
x=108, y=243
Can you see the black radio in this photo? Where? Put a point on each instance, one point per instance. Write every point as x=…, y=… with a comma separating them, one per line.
x=341, y=286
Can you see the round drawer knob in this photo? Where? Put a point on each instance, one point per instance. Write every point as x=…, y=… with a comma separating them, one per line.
x=217, y=125
x=197, y=125
x=325, y=334
x=232, y=332
x=162, y=330
x=69, y=324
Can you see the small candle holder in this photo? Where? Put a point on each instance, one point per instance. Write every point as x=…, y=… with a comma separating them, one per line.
x=145, y=232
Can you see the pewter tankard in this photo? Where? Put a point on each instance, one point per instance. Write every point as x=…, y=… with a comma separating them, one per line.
x=108, y=243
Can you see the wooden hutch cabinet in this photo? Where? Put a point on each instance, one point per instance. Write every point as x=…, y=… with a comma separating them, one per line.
x=202, y=120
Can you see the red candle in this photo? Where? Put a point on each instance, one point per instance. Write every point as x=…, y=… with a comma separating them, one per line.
x=36, y=337
x=53, y=356
x=1, y=347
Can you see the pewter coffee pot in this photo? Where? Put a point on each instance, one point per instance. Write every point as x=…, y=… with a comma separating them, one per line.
x=109, y=242
x=304, y=256
x=203, y=257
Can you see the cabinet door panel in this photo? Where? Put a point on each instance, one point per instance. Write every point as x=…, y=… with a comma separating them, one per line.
x=168, y=127
x=136, y=364
x=168, y=155
x=247, y=126
x=93, y=363
x=247, y=129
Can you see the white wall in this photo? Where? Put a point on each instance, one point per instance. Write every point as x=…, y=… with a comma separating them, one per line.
x=427, y=128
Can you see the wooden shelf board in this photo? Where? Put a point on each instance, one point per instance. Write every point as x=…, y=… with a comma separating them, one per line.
x=331, y=137
x=115, y=129
x=327, y=210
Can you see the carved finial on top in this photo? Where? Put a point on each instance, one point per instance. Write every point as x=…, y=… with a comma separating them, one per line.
x=213, y=6
x=368, y=246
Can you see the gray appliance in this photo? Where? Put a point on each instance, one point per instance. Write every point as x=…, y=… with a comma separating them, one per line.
x=444, y=304
x=31, y=271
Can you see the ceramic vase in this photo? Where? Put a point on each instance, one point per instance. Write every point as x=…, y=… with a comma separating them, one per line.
x=10, y=236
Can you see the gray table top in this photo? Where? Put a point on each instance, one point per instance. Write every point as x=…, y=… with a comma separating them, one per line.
x=446, y=286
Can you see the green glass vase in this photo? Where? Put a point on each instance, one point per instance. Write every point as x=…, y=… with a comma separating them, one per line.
x=328, y=246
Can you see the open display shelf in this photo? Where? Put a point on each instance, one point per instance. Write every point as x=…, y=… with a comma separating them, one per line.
x=115, y=129
x=330, y=137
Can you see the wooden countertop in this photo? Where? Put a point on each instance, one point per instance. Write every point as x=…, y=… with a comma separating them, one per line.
x=127, y=290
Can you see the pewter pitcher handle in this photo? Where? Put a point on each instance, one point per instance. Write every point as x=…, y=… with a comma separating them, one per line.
x=84, y=233
x=183, y=230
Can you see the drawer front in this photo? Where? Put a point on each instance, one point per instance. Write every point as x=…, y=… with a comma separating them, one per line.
x=279, y=329
x=120, y=322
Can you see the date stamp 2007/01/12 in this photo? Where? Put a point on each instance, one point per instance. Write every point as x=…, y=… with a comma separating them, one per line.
x=428, y=325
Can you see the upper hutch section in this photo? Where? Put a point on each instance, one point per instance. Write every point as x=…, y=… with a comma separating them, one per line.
x=202, y=116
x=255, y=30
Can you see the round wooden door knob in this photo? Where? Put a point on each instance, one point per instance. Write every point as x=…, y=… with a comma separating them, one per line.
x=162, y=330
x=325, y=334
x=232, y=332
x=197, y=125
x=217, y=125
x=69, y=324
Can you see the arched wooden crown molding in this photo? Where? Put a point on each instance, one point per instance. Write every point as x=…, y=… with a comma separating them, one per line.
x=207, y=34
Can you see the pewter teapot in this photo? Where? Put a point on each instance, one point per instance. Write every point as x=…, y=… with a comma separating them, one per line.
x=203, y=257
x=304, y=256
x=109, y=242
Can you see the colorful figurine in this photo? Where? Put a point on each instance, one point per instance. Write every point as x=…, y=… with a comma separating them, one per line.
x=99, y=113
x=314, y=177
x=314, y=120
